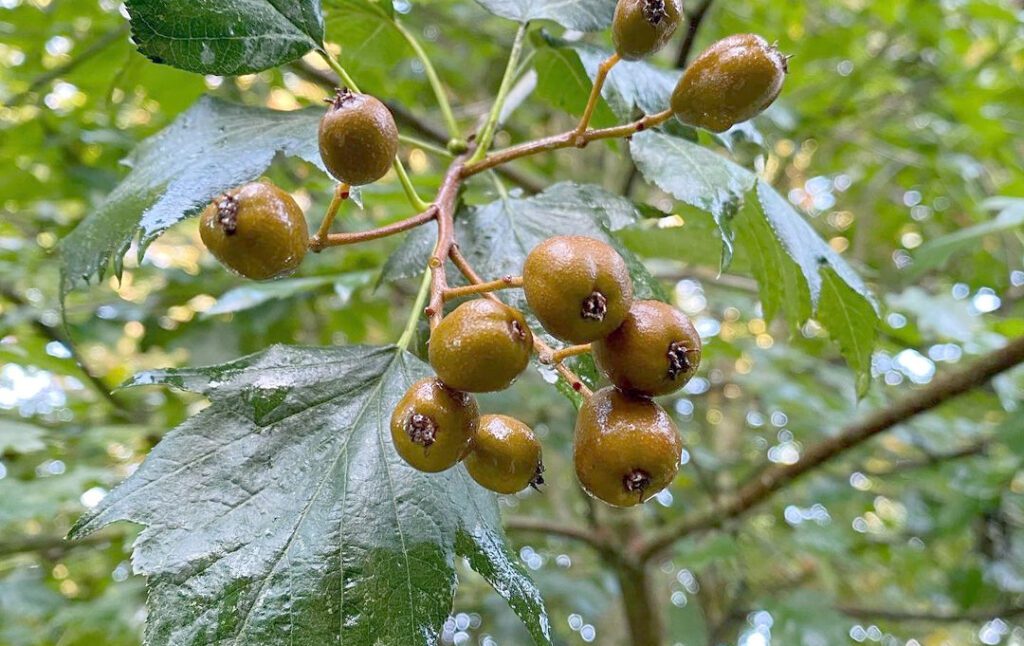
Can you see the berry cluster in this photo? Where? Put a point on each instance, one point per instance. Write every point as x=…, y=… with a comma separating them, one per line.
x=626, y=447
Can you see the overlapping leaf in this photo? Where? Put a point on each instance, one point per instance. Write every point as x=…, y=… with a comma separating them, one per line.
x=210, y=148
x=281, y=514
x=585, y=15
x=226, y=37
x=798, y=273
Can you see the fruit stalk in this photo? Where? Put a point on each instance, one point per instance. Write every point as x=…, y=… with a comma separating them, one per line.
x=507, y=282
x=491, y=125
x=339, y=239
x=341, y=193
x=595, y=95
x=434, y=80
x=445, y=240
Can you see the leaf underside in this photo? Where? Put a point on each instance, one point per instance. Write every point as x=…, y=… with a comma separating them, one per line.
x=281, y=513
x=584, y=15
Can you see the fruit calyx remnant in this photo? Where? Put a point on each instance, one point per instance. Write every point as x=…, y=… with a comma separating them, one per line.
x=678, y=361
x=227, y=214
x=636, y=480
x=518, y=332
x=594, y=306
x=654, y=11
x=342, y=96
x=538, y=476
x=421, y=429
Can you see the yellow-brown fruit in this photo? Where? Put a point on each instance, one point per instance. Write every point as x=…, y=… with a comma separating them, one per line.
x=642, y=27
x=655, y=351
x=733, y=80
x=256, y=230
x=626, y=448
x=505, y=456
x=433, y=426
x=578, y=287
x=481, y=346
x=358, y=138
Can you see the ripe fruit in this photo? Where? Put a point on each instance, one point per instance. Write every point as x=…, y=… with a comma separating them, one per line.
x=626, y=448
x=481, y=346
x=433, y=426
x=642, y=27
x=256, y=230
x=655, y=351
x=578, y=287
x=505, y=456
x=358, y=138
x=733, y=80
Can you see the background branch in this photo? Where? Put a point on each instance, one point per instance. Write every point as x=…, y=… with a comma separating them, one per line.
x=761, y=486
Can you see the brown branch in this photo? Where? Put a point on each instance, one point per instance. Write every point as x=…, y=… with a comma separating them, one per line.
x=47, y=544
x=932, y=460
x=694, y=20
x=542, y=526
x=931, y=616
x=564, y=140
x=771, y=479
x=93, y=50
x=445, y=240
x=507, y=282
x=54, y=333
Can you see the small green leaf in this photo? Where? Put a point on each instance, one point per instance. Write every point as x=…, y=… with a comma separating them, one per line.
x=283, y=513
x=226, y=37
x=212, y=147
x=937, y=251
x=563, y=83
x=584, y=15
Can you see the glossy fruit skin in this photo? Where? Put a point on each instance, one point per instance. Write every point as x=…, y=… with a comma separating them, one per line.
x=655, y=351
x=626, y=448
x=642, y=27
x=506, y=455
x=733, y=80
x=358, y=138
x=578, y=287
x=256, y=230
x=481, y=346
x=433, y=426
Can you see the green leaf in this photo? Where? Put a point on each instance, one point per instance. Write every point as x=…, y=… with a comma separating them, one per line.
x=255, y=294
x=584, y=15
x=563, y=83
x=798, y=273
x=694, y=175
x=212, y=147
x=283, y=513
x=497, y=237
x=226, y=37
x=20, y=437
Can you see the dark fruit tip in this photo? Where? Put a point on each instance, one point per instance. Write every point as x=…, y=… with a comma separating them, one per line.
x=421, y=429
x=595, y=306
x=655, y=11
x=538, y=477
x=636, y=480
x=341, y=96
x=678, y=359
x=227, y=213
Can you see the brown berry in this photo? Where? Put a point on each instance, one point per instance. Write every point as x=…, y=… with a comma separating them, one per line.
x=642, y=27
x=505, y=456
x=432, y=426
x=358, y=138
x=655, y=351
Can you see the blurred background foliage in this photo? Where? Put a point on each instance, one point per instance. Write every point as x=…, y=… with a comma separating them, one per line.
x=899, y=135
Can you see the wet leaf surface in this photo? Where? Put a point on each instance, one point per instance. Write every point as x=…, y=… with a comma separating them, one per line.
x=282, y=514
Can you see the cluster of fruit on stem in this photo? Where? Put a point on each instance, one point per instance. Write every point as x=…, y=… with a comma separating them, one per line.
x=626, y=446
